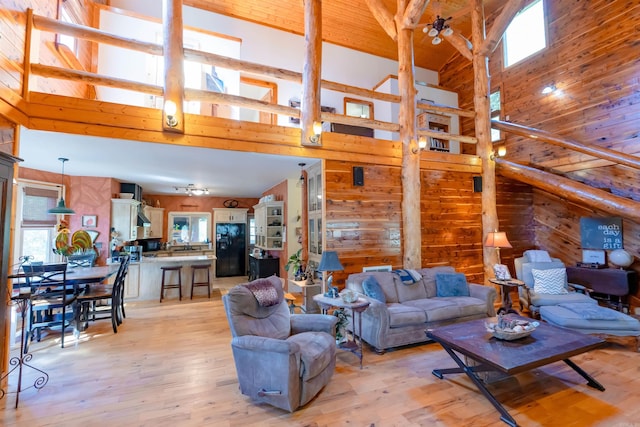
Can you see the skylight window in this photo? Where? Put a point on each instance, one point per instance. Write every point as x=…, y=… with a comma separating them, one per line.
x=526, y=34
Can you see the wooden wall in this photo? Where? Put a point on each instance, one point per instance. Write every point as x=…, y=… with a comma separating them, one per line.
x=364, y=223
x=593, y=59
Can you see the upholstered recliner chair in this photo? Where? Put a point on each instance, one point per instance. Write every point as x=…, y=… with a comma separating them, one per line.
x=282, y=359
x=546, y=284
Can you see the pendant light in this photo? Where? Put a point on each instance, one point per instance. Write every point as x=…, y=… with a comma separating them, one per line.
x=61, y=209
x=300, y=182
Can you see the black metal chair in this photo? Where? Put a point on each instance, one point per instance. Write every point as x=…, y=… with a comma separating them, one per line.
x=51, y=299
x=90, y=310
x=81, y=260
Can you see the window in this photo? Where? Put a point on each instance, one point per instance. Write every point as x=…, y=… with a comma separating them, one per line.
x=35, y=227
x=526, y=34
x=63, y=39
x=358, y=108
x=186, y=228
x=495, y=106
x=252, y=231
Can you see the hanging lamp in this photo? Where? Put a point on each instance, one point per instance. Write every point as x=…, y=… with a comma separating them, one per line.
x=61, y=208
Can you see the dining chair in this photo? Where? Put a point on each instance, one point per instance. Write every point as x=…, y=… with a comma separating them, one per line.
x=52, y=299
x=81, y=260
x=91, y=306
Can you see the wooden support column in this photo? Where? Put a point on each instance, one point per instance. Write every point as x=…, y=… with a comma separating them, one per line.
x=411, y=230
x=28, y=39
x=173, y=65
x=310, y=105
x=484, y=147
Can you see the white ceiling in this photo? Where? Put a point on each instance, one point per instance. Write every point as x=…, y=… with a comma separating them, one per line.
x=158, y=168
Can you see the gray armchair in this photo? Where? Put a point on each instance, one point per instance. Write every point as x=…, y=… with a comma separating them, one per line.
x=532, y=300
x=282, y=359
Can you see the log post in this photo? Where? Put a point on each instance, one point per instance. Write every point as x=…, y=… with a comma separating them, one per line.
x=173, y=66
x=310, y=105
x=411, y=230
x=484, y=146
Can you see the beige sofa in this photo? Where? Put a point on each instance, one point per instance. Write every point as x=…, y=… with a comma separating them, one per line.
x=410, y=309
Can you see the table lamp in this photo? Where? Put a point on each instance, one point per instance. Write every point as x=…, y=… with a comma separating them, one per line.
x=330, y=263
x=497, y=239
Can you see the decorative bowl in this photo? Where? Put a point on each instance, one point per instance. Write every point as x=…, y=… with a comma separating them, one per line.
x=522, y=329
x=349, y=296
x=126, y=195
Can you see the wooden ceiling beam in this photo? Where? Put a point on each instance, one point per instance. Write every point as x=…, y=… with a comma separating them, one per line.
x=461, y=44
x=570, y=190
x=412, y=14
x=384, y=18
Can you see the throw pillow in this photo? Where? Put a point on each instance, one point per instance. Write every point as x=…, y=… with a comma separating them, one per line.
x=372, y=289
x=451, y=285
x=551, y=281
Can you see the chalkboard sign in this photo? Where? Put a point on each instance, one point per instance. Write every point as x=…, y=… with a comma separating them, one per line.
x=601, y=233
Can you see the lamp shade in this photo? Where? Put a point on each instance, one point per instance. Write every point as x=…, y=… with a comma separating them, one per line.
x=61, y=209
x=330, y=262
x=497, y=239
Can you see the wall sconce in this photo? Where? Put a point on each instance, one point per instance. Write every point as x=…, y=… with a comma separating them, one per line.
x=170, y=110
x=549, y=89
x=422, y=144
x=502, y=151
x=317, y=131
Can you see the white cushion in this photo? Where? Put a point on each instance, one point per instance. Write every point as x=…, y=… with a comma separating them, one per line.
x=550, y=281
x=534, y=255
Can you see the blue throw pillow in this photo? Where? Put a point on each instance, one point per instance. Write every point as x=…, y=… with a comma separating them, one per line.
x=372, y=289
x=451, y=285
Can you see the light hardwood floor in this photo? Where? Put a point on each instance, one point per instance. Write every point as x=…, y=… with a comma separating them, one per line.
x=170, y=364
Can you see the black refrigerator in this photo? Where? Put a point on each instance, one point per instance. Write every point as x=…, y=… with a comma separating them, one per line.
x=231, y=248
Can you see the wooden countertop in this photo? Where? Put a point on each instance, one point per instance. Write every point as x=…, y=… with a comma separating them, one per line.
x=179, y=258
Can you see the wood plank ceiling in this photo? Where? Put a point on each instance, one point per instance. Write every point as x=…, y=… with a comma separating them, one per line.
x=349, y=23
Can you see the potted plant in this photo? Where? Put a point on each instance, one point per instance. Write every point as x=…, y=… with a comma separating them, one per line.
x=294, y=265
x=341, y=326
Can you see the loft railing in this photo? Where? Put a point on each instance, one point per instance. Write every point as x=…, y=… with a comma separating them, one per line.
x=101, y=37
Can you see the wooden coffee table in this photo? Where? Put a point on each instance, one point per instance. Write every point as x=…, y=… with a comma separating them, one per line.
x=547, y=344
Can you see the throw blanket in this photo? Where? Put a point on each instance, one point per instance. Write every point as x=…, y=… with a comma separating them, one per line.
x=592, y=311
x=264, y=292
x=408, y=276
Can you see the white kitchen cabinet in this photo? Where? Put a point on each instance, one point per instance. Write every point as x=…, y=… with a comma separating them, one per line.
x=132, y=281
x=229, y=215
x=124, y=218
x=156, y=216
x=269, y=219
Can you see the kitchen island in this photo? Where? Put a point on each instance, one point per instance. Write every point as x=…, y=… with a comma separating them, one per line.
x=143, y=281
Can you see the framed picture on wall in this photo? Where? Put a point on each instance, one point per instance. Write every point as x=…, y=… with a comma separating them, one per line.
x=89, y=221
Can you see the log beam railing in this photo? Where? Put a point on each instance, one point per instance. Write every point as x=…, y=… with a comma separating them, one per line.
x=540, y=135
x=91, y=34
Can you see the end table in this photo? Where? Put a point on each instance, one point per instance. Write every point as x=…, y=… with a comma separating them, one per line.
x=505, y=289
x=357, y=307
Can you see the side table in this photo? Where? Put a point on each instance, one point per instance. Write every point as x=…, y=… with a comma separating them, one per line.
x=23, y=300
x=308, y=291
x=353, y=345
x=505, y=289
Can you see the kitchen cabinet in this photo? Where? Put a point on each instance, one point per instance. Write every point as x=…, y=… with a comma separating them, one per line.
x=269, y=218
x=314, y=212
x=260, y=267
x=132, y=281
x=229, y=215
x=156, y=216
x=124, y=218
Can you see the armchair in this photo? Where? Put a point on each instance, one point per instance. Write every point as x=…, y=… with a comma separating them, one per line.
x=282, y=359
x=530, y=265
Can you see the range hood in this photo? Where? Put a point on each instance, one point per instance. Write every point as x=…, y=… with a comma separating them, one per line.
x=136, y=190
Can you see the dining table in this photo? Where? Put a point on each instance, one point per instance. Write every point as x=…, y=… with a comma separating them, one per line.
x=77, y=278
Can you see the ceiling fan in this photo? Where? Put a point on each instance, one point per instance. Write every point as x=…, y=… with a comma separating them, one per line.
x=439, y=27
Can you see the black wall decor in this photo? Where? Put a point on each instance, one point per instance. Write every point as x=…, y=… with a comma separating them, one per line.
x=477, y=184
x=358, y=176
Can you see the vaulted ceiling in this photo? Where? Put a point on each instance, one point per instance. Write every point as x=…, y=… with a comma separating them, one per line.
x=350, y=23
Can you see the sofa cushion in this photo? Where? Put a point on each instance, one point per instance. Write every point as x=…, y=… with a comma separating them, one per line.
x=468, y=306
x=403, y=315
x=411, y=292
x=429, y=278
x=451, y=285
x=436, y=309
x=551, y=281
x=372, y=289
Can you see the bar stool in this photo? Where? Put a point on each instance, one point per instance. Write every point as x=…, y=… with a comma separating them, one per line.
x=195, y=268
x=169, y=268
